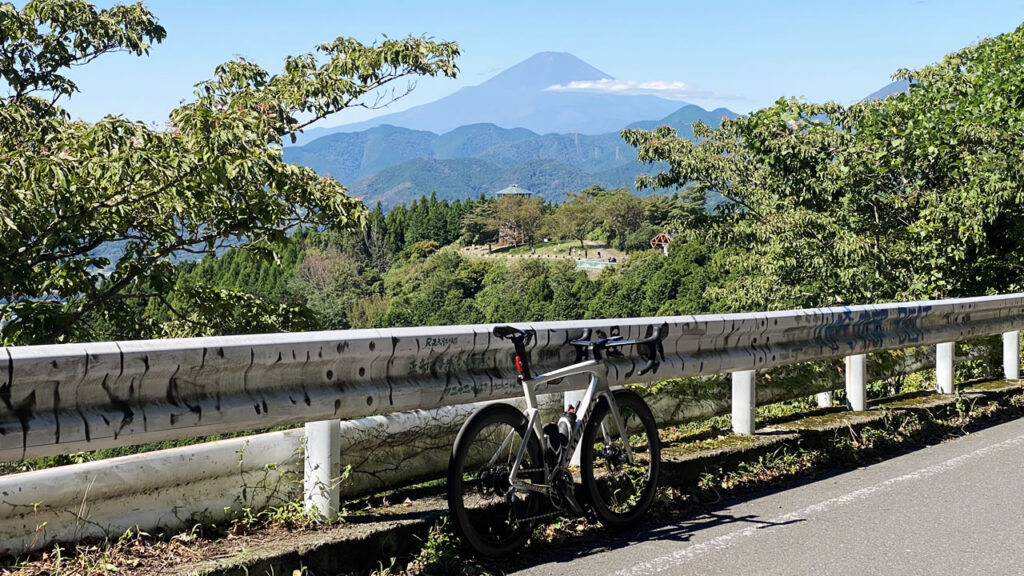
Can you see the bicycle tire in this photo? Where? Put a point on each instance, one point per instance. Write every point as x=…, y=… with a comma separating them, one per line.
x=485, y=510
x=619, y=493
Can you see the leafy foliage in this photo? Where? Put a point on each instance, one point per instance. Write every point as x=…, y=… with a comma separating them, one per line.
x=69, y=188
x=915, y=196
x=575, y=218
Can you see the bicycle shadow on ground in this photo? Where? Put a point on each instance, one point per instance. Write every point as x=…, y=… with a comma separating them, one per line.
x=683, y=529
x=709, y=515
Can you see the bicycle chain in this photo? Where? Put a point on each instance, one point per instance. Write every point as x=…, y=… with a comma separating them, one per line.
x=530, y=470
x=540, y=516
x=550, y=514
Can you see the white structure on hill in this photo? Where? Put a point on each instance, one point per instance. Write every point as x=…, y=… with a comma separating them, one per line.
x=513, y=190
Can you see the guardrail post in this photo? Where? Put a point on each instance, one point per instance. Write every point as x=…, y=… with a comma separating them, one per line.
x=322, y=467
x=744, y=400
x=1011, y=355
x=856, y=382
x=944, y=368
x=824, y=399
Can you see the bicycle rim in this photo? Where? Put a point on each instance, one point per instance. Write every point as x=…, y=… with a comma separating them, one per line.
x=619, y=491
x=489, y=514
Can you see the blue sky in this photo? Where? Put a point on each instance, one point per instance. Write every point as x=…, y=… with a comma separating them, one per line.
x=741, y=54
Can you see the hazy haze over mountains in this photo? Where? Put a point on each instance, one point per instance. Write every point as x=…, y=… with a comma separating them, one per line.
x=520, y=97
x=511, y=129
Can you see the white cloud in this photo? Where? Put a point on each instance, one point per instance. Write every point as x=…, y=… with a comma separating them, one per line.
x=674, y=90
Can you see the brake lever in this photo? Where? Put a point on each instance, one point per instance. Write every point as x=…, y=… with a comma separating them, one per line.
x=647, y=367
x=653, y=346
x=582, y=345
x=583, y=340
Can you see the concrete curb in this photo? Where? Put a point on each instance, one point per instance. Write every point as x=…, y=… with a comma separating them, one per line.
x=366, y=541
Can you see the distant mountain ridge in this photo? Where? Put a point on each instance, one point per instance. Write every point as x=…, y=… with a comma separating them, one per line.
x=519, y=98
x=510, y=129
x=461, y=178
x=394, y=165
x=897, y=87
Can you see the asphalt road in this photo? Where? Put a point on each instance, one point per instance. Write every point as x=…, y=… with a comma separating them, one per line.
x=954, y=508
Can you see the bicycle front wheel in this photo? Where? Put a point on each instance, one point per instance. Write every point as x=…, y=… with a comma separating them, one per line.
x=620, y=491
x=488, y=512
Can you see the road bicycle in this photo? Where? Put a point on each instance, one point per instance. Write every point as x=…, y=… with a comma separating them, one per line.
x=508, y=470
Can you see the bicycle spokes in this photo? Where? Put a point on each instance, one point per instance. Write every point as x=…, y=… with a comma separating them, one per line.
x=489, y=512
x=620, y=460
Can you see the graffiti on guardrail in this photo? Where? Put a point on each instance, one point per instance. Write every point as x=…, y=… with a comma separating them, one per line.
x=61, y=398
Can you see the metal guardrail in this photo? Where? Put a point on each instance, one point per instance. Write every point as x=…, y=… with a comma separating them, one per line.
x=62, y=398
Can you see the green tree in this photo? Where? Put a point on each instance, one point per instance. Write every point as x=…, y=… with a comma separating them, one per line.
x=518, y=292
x=91, y=214
x=622, y=214
x=378, y=249
x=915, y=196
x=674, y=214
x=520, y=219
x=571, y=292
x=439, y=289
x=328, y=281
x=480, y=223
x=575, y=218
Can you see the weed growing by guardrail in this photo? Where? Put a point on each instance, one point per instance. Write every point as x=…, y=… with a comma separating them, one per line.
x=442, y=554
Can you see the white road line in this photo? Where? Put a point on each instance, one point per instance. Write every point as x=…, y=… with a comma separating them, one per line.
x=678, y=557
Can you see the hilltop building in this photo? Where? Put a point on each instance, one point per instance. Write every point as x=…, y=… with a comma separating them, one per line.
x=513, y=190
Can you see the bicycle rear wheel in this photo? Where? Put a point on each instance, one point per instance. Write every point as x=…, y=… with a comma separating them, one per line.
x=489, y=514
x=619, y=491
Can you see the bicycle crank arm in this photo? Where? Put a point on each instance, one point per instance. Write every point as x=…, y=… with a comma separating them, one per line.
x=530, y=487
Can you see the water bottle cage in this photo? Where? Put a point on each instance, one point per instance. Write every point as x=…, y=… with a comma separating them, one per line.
x=553, y=453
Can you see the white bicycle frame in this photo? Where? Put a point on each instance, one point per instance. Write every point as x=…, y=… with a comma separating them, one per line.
x=596, y=388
